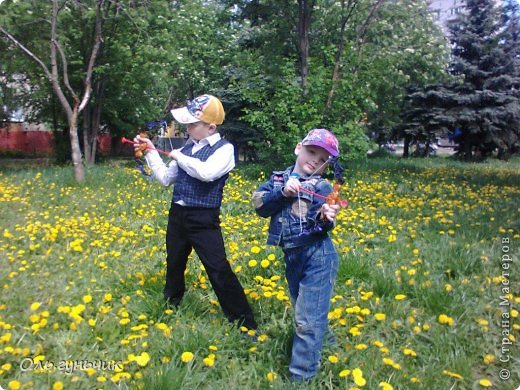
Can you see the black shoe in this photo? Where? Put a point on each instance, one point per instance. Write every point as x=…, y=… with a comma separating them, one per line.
x=249, y=334
x=172, y=303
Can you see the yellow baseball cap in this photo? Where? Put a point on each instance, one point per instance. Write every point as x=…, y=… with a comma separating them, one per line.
x=205, y=108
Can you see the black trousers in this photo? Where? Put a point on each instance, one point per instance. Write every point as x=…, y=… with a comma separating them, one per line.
x=199, y=228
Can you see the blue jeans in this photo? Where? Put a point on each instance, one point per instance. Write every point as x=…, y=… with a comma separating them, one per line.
x=311, y=273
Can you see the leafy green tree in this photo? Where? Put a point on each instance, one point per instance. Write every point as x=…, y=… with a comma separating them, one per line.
x=358, y=64
x=56, y=70
x=172, y=51
x=154, y=55
x=404, y=48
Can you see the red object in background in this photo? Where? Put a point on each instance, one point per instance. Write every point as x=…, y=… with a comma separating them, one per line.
x=104, y=144
x=17, y=138
x=34, y=140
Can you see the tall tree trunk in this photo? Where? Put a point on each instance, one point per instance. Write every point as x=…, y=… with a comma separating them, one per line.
x=336, y=75
x=79, y=169
x=87, y=115
x=95, y=119
x=304, y=22
x=406, y=147
x=360, y=40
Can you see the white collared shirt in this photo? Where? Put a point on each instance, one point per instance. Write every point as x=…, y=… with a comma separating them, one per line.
x=216, y=166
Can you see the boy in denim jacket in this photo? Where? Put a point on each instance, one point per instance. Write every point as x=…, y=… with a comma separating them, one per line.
x=294, y=199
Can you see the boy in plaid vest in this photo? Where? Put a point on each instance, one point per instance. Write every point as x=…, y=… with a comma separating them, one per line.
x=199, y=170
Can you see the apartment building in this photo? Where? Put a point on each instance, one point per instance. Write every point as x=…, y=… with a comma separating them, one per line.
x=446, y=12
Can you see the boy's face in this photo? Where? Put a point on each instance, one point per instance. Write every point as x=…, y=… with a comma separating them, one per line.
x=310, y=160
x=200, y=130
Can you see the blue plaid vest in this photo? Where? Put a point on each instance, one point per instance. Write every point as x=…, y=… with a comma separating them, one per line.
x=196, y=193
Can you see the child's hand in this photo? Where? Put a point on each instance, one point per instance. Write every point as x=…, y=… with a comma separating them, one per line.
x=174, y=154
x=292, y=187
x=329, y=211
x=140, y=140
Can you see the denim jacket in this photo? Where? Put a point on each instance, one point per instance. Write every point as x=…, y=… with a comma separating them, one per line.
x=295, y=220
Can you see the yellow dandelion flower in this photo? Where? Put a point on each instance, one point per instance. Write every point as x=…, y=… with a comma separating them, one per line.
x=488, y=359
x=271, y=376
x=344, y=373
x=264, y=263
x=107, y=297
x=187, y=357
x=142, y=359
x=380, y=316
x=255, y=250
x=452, y=374
x=386, y=386
x=333, y=359
x=14, y=385
x=35, y=306
x=485, y=383
x=361, y=347
x=208, y=361
x=409, y=352
x=445, y=320
x=357, y=374
x=39, y=359
x=87, y=298
x=57, y=386
x=252, y=263
x=6, y=366
x=400, y=297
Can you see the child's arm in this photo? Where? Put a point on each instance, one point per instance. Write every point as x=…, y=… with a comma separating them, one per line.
x=216, y=166
x=268, y=199
x=321, y=213
x=164, y=174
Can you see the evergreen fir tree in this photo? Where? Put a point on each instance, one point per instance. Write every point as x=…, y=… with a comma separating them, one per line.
x=488, y=108
x=482, y=105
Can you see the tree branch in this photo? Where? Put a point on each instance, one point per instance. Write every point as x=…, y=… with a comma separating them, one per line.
x=364, y=28
x=27, y=51
x=93, y=55
x=336, y=74
x=65, y=69
x=54, y=65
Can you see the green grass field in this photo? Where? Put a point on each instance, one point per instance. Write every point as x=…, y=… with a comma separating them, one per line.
x=427, y=294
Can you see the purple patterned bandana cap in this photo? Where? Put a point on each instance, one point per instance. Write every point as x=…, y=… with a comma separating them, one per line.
x=324, y=139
